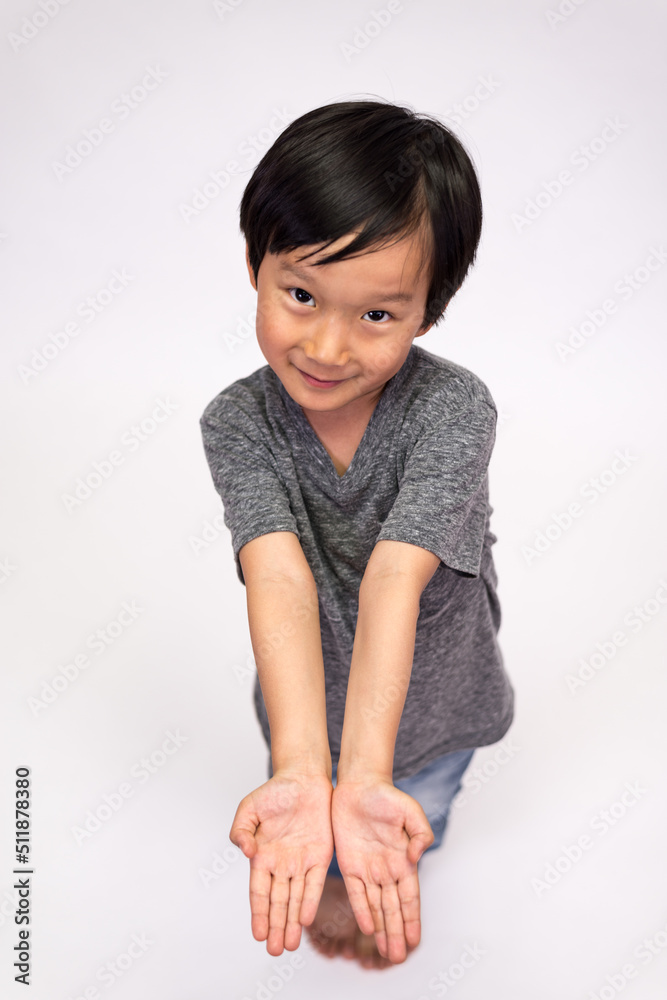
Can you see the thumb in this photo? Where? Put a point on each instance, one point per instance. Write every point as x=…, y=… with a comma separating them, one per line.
x=418, y=845
x=244, y=838
x=419, y=831
x=244, y=828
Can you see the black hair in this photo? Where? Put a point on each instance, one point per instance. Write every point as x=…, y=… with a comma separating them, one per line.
x=373, y=167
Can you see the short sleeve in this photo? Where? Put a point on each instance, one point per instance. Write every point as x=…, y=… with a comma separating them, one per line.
x=442, y=503
x=245, y=474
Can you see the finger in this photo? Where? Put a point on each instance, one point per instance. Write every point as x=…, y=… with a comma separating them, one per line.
x=245, y=840
x=260, y=891
x=408, y=894
x=292, y=924
x=418, y=844
x=243, y=828
x=356, y=893
x=374, y=897
x=419, y=831
x=278, y=915
x=393, y=922
x=312, y=893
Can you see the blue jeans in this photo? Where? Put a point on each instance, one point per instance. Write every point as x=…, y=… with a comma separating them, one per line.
x=433, y=787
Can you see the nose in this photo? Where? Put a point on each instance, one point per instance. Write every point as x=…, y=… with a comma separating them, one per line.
x=327, y=345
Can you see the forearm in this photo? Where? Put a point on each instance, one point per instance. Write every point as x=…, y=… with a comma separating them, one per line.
x=380, y=672
x=284, y=625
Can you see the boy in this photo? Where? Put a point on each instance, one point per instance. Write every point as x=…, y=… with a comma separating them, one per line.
x=353, y=469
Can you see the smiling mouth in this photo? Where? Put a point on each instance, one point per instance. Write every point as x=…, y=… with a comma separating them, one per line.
x=318, y=379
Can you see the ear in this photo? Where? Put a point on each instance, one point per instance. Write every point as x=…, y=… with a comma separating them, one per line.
x=420, y=333
x=253, y=281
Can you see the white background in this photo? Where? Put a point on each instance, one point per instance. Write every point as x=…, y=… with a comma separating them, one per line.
x=179, y=332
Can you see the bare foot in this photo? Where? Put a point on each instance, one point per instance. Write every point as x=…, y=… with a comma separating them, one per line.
x=335, y=931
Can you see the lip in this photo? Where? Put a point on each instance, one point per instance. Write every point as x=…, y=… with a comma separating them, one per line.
x=319, y=383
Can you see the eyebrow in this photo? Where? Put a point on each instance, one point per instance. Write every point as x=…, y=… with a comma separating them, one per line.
x=298, y=272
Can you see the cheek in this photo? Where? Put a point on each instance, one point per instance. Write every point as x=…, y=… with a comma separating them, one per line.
x=263, y=315
x=272, y=329
x=387, y=357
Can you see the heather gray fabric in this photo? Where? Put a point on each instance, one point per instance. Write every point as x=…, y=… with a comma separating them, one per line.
x=420, y=475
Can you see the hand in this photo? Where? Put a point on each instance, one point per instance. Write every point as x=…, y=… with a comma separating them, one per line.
x=380, y=833
x=284, y=828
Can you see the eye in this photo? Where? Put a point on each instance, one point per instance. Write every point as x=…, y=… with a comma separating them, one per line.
x=301, y=291
x=376, y=312
x=301, y=296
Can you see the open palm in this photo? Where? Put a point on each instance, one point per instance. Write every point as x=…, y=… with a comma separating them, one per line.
x=284, y=828
x=380, y=833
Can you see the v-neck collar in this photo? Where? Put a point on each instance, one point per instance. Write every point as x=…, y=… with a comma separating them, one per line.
x=307, y=439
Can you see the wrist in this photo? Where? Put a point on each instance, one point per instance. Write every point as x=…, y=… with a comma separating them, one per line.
x=363, y=764
x=360, y=774
x=306, y=763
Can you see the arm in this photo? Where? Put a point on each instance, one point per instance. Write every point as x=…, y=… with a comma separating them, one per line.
x=284, y=624
x=380, y=672
x=380, y=831
x=284, y=826
x=381, y=665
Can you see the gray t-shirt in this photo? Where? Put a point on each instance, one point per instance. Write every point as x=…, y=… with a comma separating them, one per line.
x=419, y=475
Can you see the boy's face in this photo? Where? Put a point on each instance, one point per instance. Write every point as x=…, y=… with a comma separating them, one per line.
x=339, y=322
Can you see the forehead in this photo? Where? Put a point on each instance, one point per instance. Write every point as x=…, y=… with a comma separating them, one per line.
x=394, y=273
